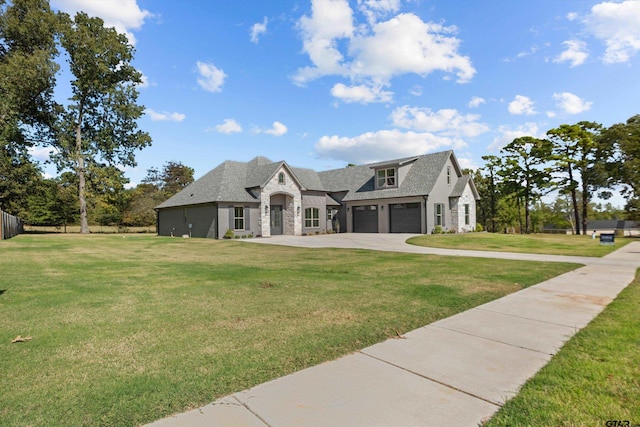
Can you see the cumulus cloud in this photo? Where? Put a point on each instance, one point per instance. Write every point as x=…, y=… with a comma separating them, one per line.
x=211, y=77
x=228, y=127
x=570, y=103
x=617, y=24
x=42, y=153
x=385, y=144
x=476, y=101
x=507, y=134
x=575, y=53
x=447, y=122
x=165, y=116
x=123, y=15
x=258, y=29
x=361, y=93
x=278, y=129
x=522, y=105
x=372, y=54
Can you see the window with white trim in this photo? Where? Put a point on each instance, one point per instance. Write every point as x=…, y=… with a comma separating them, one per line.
x=466, y=214
x=312, y=217
x=439, y=210
x=238, y=218
x=386, y=178
x=448, y=175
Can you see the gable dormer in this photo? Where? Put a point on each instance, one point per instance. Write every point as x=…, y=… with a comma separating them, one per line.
x=391, y=174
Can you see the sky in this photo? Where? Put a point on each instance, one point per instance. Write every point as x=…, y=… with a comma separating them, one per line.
x=324, y=83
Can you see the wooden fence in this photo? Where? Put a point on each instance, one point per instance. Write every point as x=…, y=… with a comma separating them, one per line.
x=9, y=226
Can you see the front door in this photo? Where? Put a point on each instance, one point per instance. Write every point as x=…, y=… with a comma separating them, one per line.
x=276, y=220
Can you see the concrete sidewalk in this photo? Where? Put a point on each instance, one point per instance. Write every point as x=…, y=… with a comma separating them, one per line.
x=456, y=372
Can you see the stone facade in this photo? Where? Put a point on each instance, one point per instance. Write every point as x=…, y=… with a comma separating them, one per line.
x=291, y=215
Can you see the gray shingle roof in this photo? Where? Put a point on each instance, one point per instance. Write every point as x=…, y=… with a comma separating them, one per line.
x=231, y=180
x=360, y=184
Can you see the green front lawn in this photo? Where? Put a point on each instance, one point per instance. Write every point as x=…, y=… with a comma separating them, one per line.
x=128, y=330
x=551, y=244
x=594, y=378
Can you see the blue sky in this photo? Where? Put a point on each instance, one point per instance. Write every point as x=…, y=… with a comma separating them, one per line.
x=324, y=83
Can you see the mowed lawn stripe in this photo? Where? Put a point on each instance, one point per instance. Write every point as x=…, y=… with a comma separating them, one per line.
x=128, y=330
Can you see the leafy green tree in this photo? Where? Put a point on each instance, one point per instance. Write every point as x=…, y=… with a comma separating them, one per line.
x=19, y=178
x=524, y=172
x=581, y=159
x=99, y=126
x=625, y=170
x=489, y=180
x=27, y=72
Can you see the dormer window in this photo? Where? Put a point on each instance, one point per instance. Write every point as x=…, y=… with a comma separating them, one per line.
x=386, y=178
x=281, y=178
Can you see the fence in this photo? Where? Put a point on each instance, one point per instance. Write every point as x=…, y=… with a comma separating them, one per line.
x=9, y=226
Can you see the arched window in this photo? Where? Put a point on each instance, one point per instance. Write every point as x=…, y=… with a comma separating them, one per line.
x=281, y=178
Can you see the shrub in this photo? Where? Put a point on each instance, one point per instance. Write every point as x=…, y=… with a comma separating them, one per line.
x=229, y=234
x=437, y=230
x=479, y=227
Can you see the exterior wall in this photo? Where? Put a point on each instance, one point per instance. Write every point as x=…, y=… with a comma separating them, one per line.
x=384, y=222
x=176, y=221
x=226, y=219
x=340, y=218
x=440, y=194
x=315, y=200
x=292, y=209
x=466, y=198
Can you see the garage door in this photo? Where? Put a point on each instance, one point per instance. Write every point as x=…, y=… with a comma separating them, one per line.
x=405, y=218
x=365, y=219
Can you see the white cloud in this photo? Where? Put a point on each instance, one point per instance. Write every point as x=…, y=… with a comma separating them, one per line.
x=382, y=145
x=330, y=21
x=258, y=29
x=375, y=9
x=476, y=101
x=572, y=16
x=144, y=82
x=165, y=116
x=447, y=122
x=576, y=53
x=416, y=90
x=228, y=127
x=617, y=24
x=278, y=129
x=211, y=77
x=124, y=15
x=522, y=105
x=508, y=134
x=570, y=103
x=42, y=153
x=362, y=93
x=372, y=54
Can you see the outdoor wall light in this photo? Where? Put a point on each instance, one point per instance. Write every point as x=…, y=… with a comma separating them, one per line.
x=266, y=209
x=298, y=210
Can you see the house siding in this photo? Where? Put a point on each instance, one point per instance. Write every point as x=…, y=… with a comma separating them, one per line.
x=315, y=200
x=176, y=221
x=440, y=195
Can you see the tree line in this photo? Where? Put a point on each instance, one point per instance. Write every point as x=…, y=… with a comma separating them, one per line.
x=579, y=162
x=90, y=135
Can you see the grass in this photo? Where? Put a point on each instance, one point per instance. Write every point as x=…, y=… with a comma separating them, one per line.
x=551, y=244
x=93, y=228
x=128, y=330
x=594, y=378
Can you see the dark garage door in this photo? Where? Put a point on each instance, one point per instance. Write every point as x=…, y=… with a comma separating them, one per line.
x=405, y=218
x=365, y=219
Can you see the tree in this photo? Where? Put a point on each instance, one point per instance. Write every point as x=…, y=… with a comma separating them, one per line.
x=625, y=170
x=99, y=125
x=581, y=161
x=19, y=178
x=491, y=190
x=524, y=173
x=174, y=177
x=27, y=72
